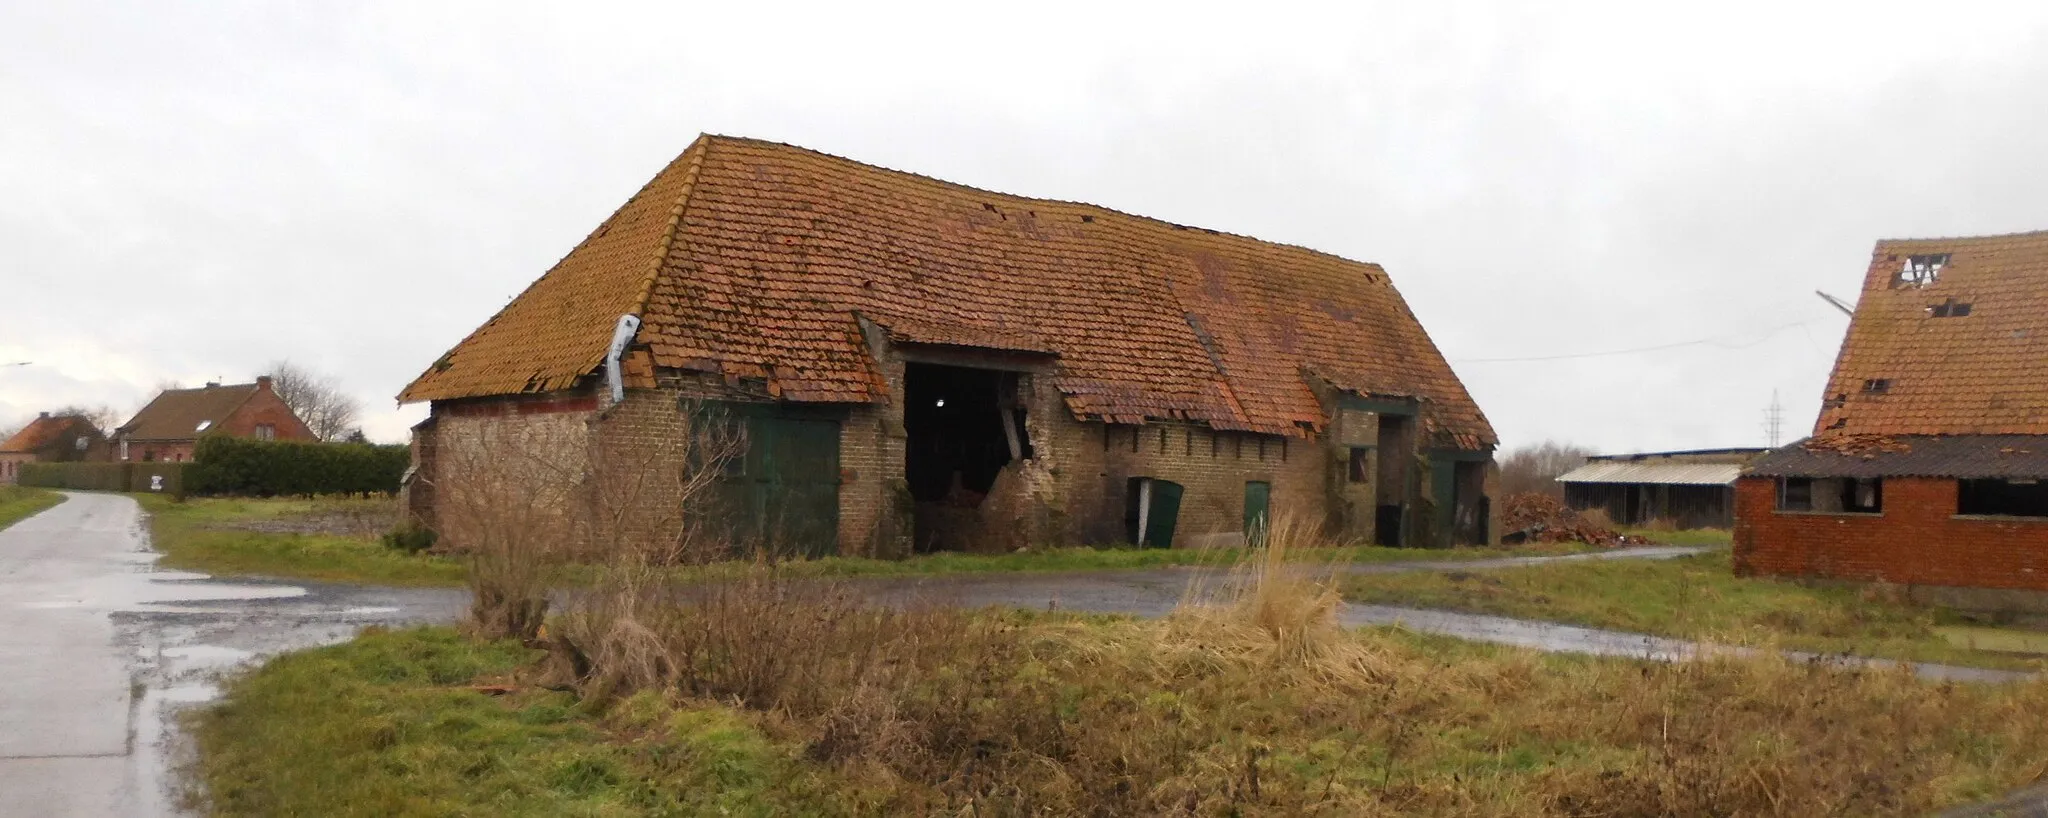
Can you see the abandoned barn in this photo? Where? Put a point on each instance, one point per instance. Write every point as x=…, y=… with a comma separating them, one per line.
x=1689, y=489
x=918, y=365
x=1928, y=466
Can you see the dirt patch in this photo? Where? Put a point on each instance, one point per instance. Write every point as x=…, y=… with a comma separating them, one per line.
x=364, y=522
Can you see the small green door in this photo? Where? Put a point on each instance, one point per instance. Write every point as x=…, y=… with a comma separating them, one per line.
x=1165, y=512
x=1256, y=495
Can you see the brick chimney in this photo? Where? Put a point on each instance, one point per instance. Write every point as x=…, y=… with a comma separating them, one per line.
x=43, y=416
x=263, y=382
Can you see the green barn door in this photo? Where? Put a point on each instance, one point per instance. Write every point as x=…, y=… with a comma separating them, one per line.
x=792, y=485
x=1256, y=519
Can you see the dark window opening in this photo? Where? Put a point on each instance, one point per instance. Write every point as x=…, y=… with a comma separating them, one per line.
x=1863, y=496
x=1877, y=386
x=1920, y=270
x=1795, y=494
x=954, y=419
x=1361, y=465
x=2002, y=498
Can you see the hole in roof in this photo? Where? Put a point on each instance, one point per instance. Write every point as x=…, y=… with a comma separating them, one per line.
x=1920, y=270
x=1948, y=309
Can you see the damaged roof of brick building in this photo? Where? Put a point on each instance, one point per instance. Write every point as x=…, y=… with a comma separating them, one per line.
x=757, y=260
x=1944, y=371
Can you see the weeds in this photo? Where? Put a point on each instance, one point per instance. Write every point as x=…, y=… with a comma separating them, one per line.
x=18, y=503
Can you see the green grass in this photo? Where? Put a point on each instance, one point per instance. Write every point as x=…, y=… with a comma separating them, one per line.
x=1696, y=597
x=196, y=535
x=18, y=503
x=205, y=534
x=1709, y=537
x=382, y=727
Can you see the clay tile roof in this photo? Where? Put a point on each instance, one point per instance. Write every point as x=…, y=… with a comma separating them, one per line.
x=1917, y=363
x=177, y=413
x=39, y=432
x=757, y=259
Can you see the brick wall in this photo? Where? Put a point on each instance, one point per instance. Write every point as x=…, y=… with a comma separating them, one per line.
x=264, y=408
x=1918, y=540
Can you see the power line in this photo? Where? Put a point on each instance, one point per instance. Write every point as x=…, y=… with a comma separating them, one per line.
x=1715, y=341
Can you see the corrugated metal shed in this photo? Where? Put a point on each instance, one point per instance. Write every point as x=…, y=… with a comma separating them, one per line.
x=1664, y=474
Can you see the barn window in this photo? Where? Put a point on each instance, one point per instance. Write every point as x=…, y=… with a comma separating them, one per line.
x=1877, y=386
x=1361, y=464
x=2002, y=498
x=1920, y=270
x=1863, y=496
x=1795, y=494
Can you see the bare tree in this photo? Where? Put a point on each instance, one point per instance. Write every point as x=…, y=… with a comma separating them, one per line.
x=317, y=399
x=1527, y=469
x=103, y=417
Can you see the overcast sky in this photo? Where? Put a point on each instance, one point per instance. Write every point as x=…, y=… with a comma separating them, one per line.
x=194, y=189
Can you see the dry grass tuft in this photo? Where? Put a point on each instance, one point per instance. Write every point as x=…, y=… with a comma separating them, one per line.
x=1252, y=699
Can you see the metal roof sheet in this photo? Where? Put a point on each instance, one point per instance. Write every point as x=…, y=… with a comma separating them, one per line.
x=1667, y=474
x=1967, y=457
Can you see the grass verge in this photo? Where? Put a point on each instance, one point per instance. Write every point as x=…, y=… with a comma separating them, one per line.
x=214, y=536
x=18, y=503
x=383, y=726
x=242, y=537
x=1696, y=597
x=1016, y=714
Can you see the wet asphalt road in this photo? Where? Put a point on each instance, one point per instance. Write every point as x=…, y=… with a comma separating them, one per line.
x=100, y=649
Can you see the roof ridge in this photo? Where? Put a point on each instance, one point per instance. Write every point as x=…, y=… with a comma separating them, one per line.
x=1983, y=237
x=700, y=147
x=1268, y=243
x=602, y=228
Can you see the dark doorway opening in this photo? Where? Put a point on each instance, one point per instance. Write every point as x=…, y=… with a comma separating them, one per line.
x=962, y=426
x=1396, y=441
x=1470, y=507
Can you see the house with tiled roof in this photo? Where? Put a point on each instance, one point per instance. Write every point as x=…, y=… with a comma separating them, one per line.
x=49, y=439
x=923, y=365
x=170, y=426
x=1928, y=465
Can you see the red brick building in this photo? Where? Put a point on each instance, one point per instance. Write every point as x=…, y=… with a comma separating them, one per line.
x=171, y=425
x=47, y=439
x=1928, y=466
x=921, y=365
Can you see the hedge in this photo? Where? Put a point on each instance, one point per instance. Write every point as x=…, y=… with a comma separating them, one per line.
x=240, y=466
x=106, y=476
x=75, y=476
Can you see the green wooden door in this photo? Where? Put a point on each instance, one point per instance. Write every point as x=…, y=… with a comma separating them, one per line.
x=1164, y=514
x=1256, y=520
x=785, y=495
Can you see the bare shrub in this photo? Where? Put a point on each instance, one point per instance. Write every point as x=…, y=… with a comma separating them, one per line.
x=1597, y=517
x=507, y=502
x=1535, y=468
x=1252, y=699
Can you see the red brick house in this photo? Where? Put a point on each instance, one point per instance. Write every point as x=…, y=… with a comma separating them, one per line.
x=1928, y=466
x=171, y=425
x=923, y=365
x=47, y=439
